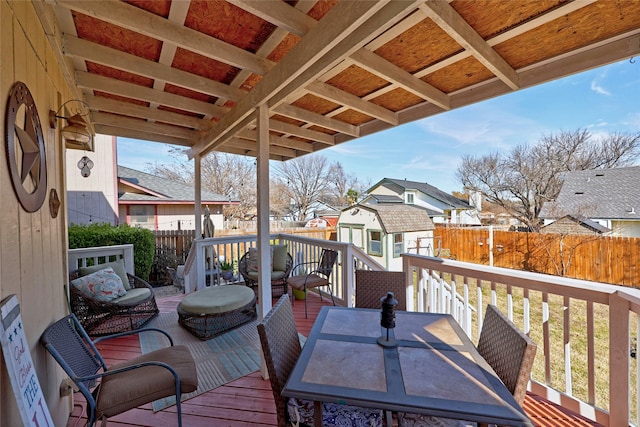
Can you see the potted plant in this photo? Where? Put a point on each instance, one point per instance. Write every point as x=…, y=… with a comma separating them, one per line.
x=227, y=270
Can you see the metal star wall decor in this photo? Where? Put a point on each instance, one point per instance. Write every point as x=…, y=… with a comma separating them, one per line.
x=26, y=155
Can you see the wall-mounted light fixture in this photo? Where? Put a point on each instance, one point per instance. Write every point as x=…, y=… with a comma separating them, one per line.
x=76, y=133
x=85, y=165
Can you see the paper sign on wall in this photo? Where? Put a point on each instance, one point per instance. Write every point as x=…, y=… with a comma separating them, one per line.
x=17, y=357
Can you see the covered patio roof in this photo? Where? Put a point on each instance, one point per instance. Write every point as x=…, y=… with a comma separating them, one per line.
x=192, y=73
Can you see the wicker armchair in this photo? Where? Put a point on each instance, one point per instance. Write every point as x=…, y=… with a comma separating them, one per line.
x=507, y=350
x=278, y=277
x=127, y=313
x=281, y=348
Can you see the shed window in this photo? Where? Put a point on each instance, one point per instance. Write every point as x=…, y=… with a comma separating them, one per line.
x=375, y=243
x=398, y=245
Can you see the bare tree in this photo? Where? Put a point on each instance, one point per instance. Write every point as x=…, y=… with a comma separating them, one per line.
x=228, y=175
x=308, y=178
x=279, y=198
x=344, y=189
x=522, y=180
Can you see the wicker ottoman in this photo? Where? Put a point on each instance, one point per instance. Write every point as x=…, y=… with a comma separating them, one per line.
x=217, y=309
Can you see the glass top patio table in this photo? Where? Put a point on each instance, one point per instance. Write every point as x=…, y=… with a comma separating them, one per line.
x=435, y=369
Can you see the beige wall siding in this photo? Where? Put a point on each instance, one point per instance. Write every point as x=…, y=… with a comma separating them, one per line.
x=32, y=245
x=93, y=199
x=168, y=217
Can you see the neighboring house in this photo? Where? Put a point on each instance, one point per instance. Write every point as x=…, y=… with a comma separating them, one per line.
x=609, y=197
x=493, y=214
x=157, y=203
x=442, y=207
x=570, y=224
x=386, y=230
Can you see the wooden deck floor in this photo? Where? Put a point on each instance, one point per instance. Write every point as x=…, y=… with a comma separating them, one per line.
x=248, y=401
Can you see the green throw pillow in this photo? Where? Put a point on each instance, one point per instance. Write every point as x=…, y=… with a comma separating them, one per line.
x=279, y=257
x=118, y=268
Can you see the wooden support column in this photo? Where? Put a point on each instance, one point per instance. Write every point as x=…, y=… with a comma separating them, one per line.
x=264, y=259
x=197, y=200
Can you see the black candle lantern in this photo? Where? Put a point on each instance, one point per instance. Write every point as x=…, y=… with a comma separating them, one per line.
x=388, y=319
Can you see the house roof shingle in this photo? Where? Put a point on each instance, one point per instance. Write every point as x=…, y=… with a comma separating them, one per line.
x=161, y=189
x=600, y=193
x=427, y=189
x=396, y=218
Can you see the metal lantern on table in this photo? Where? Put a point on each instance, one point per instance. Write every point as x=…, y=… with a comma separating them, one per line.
x=388, y=319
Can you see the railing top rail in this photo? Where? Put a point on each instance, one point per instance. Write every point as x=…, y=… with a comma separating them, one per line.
x=579, y=289
x=103, y=249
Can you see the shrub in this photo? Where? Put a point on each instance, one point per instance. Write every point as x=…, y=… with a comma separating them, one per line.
x=143, y=240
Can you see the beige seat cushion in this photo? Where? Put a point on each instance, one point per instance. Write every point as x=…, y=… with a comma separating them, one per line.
x=217, y=299
x=313, y=281
x=133, y=296
x=128, y=390
x=275, y=275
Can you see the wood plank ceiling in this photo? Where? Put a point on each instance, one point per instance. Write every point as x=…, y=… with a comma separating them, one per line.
x=191, y=73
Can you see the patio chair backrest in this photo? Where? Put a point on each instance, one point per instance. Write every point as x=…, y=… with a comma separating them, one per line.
x=327, y=260
x=372, y=286
x=72, y=348
x=281, y=348
x=507, y=350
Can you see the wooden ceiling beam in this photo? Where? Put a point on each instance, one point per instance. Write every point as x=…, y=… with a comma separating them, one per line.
x=316, y=119
x=290, y=129
x=136, y=134
x=135, y=19
x=275, y=140
x=332, y=93
x=115, y=120
x=246, y=144
x=377, y=65
x=100, y=103
x=350, y=25
x=605, y=52
x=457, y=28
x=278, y=13
x=89, y=51
x=130, y=90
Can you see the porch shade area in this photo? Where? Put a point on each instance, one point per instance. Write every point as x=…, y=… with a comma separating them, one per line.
x=192, y=73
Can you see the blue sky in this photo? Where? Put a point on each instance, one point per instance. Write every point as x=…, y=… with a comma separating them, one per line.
x=602, y=100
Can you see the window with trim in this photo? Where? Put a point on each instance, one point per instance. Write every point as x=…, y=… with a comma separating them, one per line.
x=398, y=244
x=409, y=198
x=142, y=216
x=374, y=246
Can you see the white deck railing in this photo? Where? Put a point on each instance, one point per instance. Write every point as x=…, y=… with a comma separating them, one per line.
x=99, y=255
x=302, y=249
x=584, y=330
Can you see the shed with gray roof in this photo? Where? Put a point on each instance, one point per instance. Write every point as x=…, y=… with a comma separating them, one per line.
x=387, y=230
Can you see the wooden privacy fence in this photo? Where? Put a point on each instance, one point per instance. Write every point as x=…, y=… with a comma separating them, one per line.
x=175, y=240
x=594, y=258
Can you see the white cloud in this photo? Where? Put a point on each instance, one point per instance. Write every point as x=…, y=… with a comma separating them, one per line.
x=596, y=84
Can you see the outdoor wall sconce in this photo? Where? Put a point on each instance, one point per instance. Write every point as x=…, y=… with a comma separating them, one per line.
x=76, y=134
x=85, y=165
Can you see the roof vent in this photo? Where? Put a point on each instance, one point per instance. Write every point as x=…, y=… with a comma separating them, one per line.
x=631, y=211
x=599, y=174
x=579, y=193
